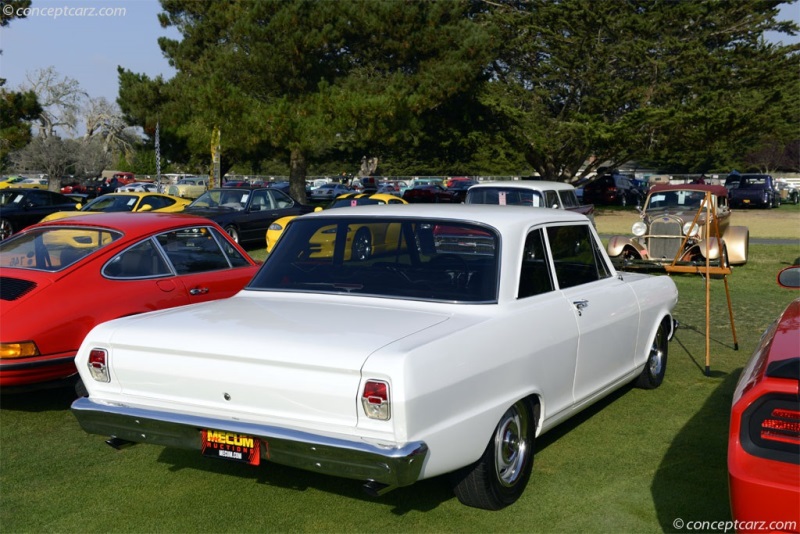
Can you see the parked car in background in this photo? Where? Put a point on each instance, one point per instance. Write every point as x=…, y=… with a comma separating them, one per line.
x=20, y=208
x=612, y=189
x=504, y=321
x=430, y=193
x=666, y=230
x=73, y=274
x=276, y=229
x=329, y=191
x=32, y=183
x=76, y=188
x=245, y=214
x=126, y=202
x=189, y=187
x=764, y=436
x=534, y=193
x=787, y=192
x=9, y=181
x=460, y=188
x=138, y=187
x=755, y=190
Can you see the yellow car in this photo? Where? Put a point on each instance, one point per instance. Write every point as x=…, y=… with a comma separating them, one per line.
x=25, y=183
x=126, y=202
x=275, y=229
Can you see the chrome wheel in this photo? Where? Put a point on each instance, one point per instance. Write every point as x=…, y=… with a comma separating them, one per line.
x=5, y=229
x=362, y=245
x=511, y=445
x=656, y=366
x=233, y=232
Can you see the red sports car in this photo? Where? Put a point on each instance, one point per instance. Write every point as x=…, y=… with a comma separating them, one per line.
x=764, y=439
x=60, y=278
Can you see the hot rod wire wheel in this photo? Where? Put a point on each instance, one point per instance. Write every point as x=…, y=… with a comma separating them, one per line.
x=500, y=476
x=362, y=245
x=656, y=366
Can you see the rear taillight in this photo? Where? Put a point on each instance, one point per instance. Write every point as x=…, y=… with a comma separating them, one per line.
x=771, y=428
x=782, y=425
x=375, y=400
x=98, y=365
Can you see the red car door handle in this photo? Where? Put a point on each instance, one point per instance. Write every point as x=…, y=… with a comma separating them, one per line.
x=198, y=291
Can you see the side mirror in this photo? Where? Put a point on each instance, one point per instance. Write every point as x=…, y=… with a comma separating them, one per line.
x=146, y=207
x=318, y=208
x=790, y=277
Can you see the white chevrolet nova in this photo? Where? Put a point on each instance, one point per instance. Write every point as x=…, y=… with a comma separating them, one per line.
x=390, y=344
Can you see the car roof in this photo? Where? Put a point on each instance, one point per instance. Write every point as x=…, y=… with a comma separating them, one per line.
x=718, y=190
x=497, y=216
x=535, y=185
x=130, y=222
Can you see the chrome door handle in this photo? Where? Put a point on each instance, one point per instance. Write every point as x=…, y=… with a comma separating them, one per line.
x=198, y=291
x=580, y=305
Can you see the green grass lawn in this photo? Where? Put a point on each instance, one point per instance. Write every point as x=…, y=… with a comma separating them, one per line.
x=636, y=462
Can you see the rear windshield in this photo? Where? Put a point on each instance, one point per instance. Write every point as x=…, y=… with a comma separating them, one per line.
x=506, y=196
x=423, y=259
x=53, y=249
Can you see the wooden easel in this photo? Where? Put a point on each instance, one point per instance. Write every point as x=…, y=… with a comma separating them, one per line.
x=712, y=230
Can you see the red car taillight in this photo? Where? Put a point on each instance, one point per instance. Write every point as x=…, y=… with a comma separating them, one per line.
x=771, y=428
x=782, y=425
x=98, y=365
x=375, y=400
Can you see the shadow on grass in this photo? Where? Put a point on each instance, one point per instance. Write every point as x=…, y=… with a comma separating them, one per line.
x=691, y=483
x=422, y=496
x=701, y=366
x=44, y=400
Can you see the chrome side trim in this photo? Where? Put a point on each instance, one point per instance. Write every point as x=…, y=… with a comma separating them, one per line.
x=391, y=465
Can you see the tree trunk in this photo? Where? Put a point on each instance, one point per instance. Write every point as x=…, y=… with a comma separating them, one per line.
x=298, y=167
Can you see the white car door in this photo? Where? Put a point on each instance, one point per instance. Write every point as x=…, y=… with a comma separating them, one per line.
x=605, y=307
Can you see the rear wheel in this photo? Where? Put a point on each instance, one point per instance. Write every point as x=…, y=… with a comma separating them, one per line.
x=656, y=366
x=233, y=232
x=362, y=245
x=500, y=476
x=5, y=229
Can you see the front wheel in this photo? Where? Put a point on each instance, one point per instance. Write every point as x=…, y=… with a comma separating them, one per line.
x=5, y=229
x=233, y=232
x=500, y=476
x=656, y=366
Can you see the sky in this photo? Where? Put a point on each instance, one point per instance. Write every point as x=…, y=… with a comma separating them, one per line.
x=86, y=40
x=89, y=48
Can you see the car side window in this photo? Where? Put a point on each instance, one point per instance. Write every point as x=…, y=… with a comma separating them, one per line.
x=551, y=199
x=569, y=199
x=576, y=257
x=193, y=250
x=534, y=278
x=282, y=200
x=142, y=260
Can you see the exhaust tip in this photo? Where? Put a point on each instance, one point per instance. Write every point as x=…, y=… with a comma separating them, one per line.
x=376, y=489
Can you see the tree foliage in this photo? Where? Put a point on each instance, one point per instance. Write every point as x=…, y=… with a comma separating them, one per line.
x=17, y=109
x=456, y=86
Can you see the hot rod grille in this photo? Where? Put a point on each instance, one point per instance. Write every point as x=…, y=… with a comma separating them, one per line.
x=664, y=247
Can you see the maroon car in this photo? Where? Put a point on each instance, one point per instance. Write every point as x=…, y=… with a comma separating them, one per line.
x=430, y=193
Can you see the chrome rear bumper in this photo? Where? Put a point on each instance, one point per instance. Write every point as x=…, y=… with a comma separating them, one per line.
x=391, y=466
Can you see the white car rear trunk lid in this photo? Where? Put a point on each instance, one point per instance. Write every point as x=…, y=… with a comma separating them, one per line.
x=274, y=359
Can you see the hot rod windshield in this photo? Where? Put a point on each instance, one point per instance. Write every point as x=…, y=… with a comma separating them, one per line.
x=424, y=259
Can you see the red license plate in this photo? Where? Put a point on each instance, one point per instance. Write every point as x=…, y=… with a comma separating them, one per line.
x=231, y=446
